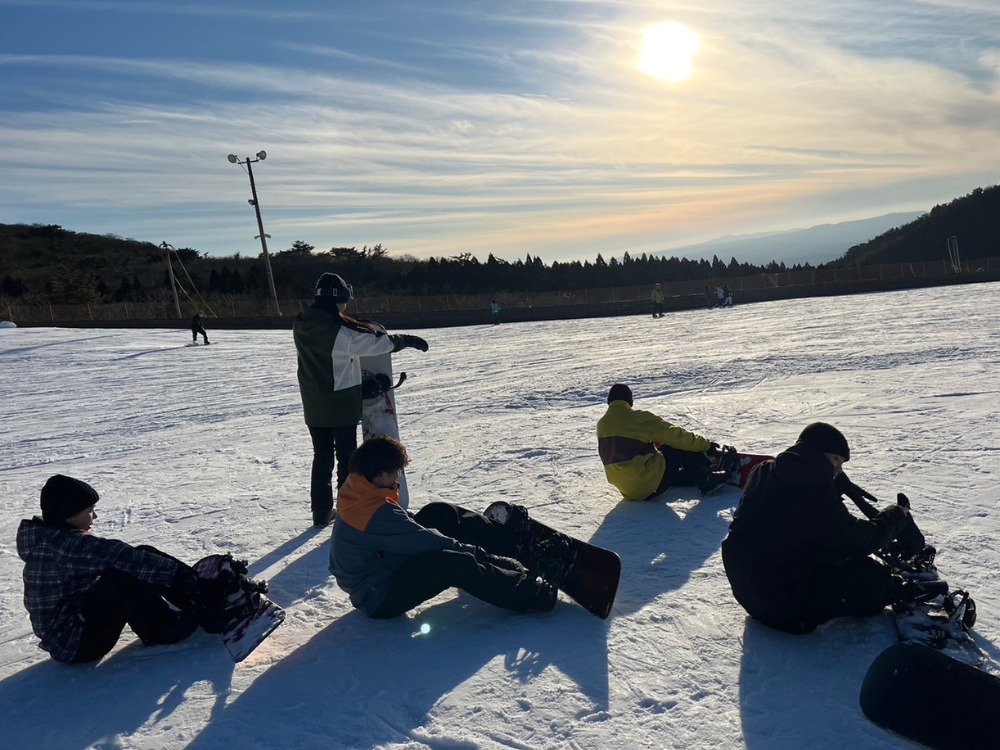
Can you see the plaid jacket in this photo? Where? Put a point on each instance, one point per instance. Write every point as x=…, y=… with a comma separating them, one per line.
x=60, y=564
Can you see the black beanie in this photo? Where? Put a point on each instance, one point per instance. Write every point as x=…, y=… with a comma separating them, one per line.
x=64, y=496
x=826, y=438
x=620, y=392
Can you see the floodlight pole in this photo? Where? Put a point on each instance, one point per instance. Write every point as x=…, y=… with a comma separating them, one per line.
x=260, y=222
x=170, y=269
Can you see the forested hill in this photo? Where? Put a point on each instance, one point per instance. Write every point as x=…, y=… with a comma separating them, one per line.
x=973, y=219
x=47, y=263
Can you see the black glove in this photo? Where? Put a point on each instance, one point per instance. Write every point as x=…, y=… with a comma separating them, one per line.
x=414, y=342
x=714, y=450
x=902, y=500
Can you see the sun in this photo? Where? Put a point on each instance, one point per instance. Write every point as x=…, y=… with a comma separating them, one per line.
x=667, y=49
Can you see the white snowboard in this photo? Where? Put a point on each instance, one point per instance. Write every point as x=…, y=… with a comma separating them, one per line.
x=378, y=415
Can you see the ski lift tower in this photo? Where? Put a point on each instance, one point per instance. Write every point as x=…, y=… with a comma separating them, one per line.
x=953, y=256
x=170, y=268
x=247, y=161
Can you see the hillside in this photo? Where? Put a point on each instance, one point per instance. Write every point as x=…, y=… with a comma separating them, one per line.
x=974, y=219
x=819, y=244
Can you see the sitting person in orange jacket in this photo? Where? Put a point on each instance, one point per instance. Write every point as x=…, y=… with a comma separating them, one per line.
x=390, y=560
x=644, y=455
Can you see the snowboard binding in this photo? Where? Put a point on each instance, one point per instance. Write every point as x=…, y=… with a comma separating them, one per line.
x=227, y=595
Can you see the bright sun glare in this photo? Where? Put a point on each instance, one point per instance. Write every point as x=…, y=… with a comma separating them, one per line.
x=666, y=51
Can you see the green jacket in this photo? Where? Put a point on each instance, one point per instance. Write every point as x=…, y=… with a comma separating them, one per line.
x=658, y=296
x=626, y=440
x=329, y=354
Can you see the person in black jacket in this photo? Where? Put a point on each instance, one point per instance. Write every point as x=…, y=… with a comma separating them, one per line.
x=796, y=557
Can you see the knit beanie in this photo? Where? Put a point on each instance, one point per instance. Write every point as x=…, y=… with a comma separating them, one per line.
x=826, y=438
x=620, y=392
x=64, y=496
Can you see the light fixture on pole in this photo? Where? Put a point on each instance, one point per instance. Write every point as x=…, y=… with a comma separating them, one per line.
x=170, y=267
x=261, y=155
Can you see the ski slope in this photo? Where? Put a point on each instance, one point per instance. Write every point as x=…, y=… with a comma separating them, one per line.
x=200, y=450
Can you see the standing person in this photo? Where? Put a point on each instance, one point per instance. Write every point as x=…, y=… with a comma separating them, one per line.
x=709, y=297
x=796, y=557
x=389, y=560
x=643, y=455
x=658, y=299
x=329, y=345
x=81, y=590
x=495, y=310
x=196, y=328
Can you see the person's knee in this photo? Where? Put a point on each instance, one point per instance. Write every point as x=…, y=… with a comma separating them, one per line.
x=438, y=516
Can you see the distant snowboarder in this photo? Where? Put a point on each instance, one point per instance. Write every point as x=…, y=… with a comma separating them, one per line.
x=658, y=300
x=196, y=328
x=644, y=455
x=495, y=311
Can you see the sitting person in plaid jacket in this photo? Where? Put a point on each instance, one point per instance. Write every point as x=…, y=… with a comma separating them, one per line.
x=81, y=590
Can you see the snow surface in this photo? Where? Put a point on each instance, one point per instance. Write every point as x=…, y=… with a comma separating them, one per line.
x=200, y=450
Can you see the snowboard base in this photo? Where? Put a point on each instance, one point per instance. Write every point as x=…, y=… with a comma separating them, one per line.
x=592, y=580
x=747, y=463
x=928, y=697
x=248, y=635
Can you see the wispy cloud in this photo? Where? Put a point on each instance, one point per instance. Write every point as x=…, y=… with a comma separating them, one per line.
x=546, y=141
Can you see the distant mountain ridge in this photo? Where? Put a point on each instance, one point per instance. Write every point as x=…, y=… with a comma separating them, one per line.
x=823, y=243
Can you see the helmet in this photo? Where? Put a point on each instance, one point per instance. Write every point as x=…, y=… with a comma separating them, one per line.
x=331, y=285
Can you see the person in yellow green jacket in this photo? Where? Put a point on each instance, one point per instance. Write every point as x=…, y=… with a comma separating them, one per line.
x=658, y=300
x=643, y=454
x=389, y=560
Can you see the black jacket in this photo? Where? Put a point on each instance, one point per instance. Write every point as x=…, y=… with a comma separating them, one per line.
x=791, y=520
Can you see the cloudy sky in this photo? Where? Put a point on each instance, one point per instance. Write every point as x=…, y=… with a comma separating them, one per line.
x=556, y=128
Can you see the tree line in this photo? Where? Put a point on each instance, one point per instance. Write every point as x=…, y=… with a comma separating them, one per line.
x=47, y=263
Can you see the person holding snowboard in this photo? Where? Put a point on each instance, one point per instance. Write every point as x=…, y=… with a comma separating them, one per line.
x=658, y=300
x=329, y=345
x=643, y=455
x=196, y=328
x=390, y=560
x=796, y=557
x=81, y=590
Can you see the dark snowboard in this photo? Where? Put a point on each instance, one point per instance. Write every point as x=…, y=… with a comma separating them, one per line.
x=592, y=580
x=933, y=699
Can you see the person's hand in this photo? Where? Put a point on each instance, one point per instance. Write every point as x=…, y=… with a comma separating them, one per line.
x=414, y=342
x=903, y=502
x=714, y=450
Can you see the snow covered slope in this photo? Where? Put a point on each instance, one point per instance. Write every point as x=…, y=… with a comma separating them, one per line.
x=202, y=449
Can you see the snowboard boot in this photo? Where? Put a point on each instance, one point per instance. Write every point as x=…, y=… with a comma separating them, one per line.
x=554, y=558
x=916, y=591
x=712, y=481
x=228, y=597
x=518, y=524
x=324, y=518
x=543, y=596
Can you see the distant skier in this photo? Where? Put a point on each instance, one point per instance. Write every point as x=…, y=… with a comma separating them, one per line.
x=389, y=560
x=796, y=557
x=658, y=299
x=330, y=345
x=495, y=311
x=196, y=328
x=727, y=296
x=643, y=455
x=80, y=590
x=709, y=297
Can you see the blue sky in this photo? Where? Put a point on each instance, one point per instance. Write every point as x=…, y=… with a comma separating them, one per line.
x=444, y=127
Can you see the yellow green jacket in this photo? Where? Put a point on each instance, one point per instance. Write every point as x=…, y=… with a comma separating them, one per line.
x=626, y=441
x=658, y=296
